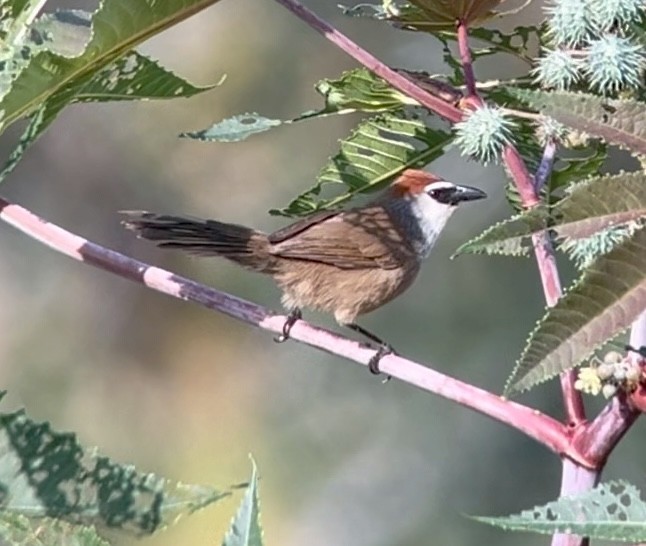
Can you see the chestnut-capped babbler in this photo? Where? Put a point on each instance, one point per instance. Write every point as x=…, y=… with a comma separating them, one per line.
x=343, y=262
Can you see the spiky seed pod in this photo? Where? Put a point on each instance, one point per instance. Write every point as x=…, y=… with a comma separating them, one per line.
x=614, y=63
x=484, y=133
x=557, y=69
x=569, y=22
x=606, y=13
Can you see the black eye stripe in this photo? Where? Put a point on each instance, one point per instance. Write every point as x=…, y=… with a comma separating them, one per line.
x=438, y=192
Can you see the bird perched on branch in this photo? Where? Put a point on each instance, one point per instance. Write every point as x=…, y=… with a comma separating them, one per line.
x=347, y=263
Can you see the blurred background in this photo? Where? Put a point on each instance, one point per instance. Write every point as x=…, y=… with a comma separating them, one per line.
x=187, y=393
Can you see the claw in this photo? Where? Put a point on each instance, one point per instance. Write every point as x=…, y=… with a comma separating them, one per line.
x=294, y=315
x=373, y=363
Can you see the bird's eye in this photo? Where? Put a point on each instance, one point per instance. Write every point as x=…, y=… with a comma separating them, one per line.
x=443, y=195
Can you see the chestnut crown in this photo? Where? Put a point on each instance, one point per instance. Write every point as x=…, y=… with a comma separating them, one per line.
x=413, y=182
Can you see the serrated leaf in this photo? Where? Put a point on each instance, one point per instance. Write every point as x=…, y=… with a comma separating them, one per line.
x=591, y=207
x=411, y=17
x=44, y=473
x=507, y=238
x=449, y=11
x=137, y=77
x=608, y=297
x=131, y=77
x=610, y=511
x=356, y=90
x=117, y=26
x=245, y=529
x=617, y=121
x=377, y=150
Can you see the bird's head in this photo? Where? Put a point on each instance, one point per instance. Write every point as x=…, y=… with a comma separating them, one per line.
x=414, y=184
x=423, y=202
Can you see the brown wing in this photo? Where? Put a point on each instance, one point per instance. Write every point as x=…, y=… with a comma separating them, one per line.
x=356, y=239
x=301, y=225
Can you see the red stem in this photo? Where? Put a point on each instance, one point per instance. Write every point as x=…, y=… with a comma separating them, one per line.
x=437, y=105
x=465, y=58
x=533, y=423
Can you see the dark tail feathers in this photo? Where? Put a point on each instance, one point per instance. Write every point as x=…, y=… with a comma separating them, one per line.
x=240, y=244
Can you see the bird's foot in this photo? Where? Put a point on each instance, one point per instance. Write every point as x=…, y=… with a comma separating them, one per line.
x=292, y=317
x=641, y=351
x=373, y=364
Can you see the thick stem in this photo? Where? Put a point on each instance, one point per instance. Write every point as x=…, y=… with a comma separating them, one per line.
x=547, y=267
x=575, y=479
x=435, y=104
x=536, y=425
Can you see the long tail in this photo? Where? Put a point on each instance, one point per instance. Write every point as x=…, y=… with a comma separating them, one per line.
x=240, y=244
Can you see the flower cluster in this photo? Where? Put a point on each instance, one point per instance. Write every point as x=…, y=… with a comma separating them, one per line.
x=609, y=376
x=592, y=39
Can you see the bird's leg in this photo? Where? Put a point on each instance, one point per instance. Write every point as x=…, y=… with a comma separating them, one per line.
x=294, y=315
x=383, y=350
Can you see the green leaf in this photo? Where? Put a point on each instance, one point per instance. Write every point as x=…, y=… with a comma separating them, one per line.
x=377, y=150
x=131, y=77
x=360, y=90
x=245, y=528
x=356, y=90
x=591, y=207
x=610, y=511
x=117, y=26
x=235, y=128
x=604, y=302
x=136, y=77
x=48, y=474
x=16, y=17
x=617, y=121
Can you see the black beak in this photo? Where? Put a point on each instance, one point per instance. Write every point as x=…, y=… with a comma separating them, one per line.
x=466, y=193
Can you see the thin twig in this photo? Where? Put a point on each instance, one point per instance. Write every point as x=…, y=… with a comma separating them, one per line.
x=437, y=105
x=465, y=58
x=533, y=423
x=546, y=165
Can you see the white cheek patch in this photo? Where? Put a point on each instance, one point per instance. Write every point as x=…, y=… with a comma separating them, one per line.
x=432, y=217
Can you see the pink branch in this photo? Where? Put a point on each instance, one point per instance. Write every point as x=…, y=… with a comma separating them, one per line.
x=465, y=58
x=435, y=104
x=536, y=425
x=575, y=479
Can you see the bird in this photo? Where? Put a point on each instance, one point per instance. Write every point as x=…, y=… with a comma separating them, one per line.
x=344, y=262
